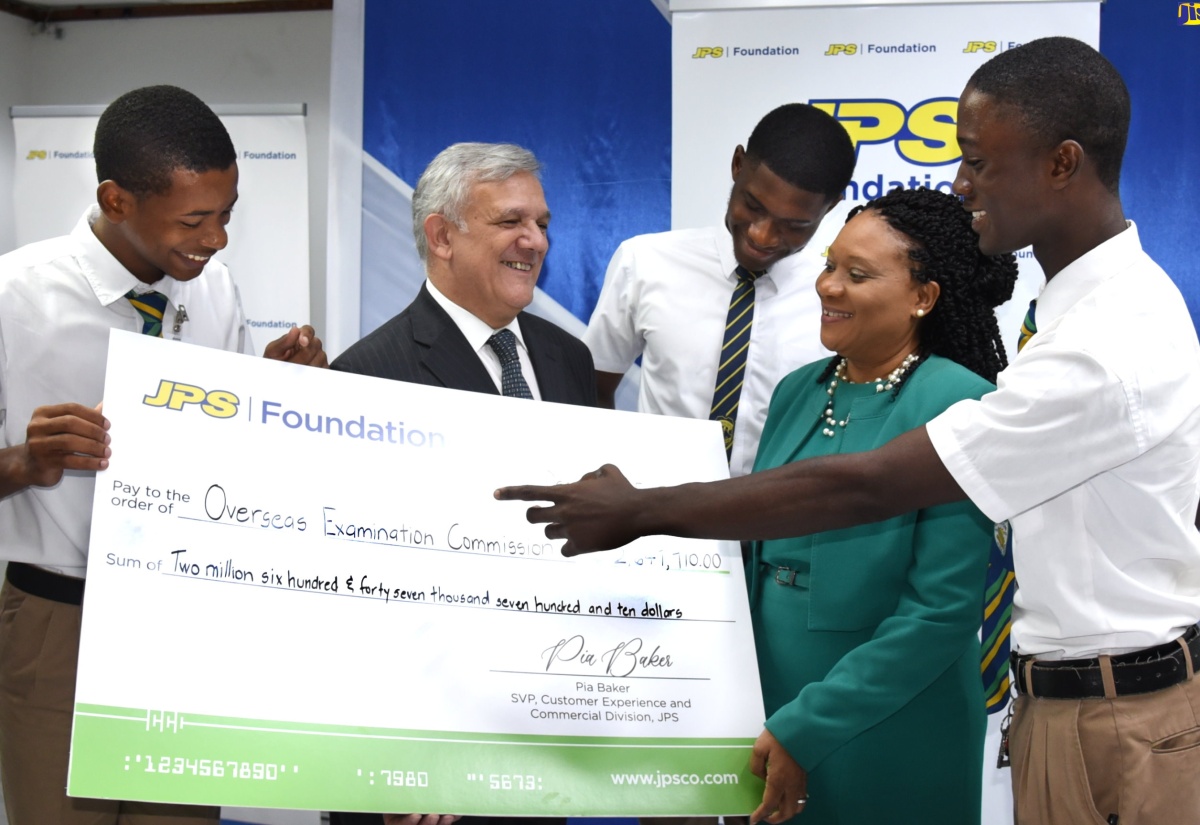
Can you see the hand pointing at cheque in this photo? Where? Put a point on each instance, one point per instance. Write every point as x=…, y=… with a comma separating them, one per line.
x=599, y=512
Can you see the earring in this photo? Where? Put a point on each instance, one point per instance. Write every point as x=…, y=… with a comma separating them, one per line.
x=920, y=313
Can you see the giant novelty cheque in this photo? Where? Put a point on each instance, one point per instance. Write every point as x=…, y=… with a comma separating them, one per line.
x=302, y=594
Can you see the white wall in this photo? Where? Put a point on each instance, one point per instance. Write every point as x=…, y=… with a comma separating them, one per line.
x=14, y=50
x=233, y=58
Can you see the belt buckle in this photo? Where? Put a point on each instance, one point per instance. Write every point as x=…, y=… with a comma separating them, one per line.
x=785, y=576
x=1017, y=672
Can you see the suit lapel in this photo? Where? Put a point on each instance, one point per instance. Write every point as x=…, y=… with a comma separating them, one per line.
x=548, y=365
x=446, y=354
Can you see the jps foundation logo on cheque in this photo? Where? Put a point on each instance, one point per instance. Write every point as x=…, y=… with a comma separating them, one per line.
x=708, y=51
x=841, y=48
x=174, y=395
x=36, y=154
x=1188, y=14
x=977, y=46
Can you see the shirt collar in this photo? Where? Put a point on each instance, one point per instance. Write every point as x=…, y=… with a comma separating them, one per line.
x=725, y=253
x=473, y=329
x=107, y=276
x=1085, y=273
x=729, y=262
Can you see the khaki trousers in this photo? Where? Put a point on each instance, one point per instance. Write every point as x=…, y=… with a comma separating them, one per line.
x=39, y=647
x=1082, y=761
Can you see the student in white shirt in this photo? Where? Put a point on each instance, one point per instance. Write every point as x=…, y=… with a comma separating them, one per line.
x=666, y=296
x=168, y=182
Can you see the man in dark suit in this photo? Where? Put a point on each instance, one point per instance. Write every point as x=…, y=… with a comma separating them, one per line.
x=480, y=220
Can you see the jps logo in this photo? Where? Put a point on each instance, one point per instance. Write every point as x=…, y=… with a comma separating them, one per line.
x=924, y=134
x=841, y=48
x=709, y=51
x=36, y=154
x=175, y=396
x=975, y=46
x=1188, y=14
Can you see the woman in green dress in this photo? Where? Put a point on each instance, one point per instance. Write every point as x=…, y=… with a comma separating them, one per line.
x=866, y=637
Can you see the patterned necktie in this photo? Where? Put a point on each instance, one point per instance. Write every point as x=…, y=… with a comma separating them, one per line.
x=997, y=619
x=512, y=382
x=151, y=306
x=1028, y=326
x=731, y=371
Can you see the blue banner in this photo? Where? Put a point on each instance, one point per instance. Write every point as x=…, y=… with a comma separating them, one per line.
x=586, y=87
x=1155, y=44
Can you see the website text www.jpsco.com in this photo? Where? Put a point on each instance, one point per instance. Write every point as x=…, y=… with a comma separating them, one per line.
x=665, y=780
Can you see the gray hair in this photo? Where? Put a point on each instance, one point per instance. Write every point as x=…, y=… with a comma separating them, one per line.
x=447, y=180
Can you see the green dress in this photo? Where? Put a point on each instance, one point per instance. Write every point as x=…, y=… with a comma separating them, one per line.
x=867, y=637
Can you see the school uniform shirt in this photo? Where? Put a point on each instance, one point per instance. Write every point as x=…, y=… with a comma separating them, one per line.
x=666, y=298
x=1090, y=446
x=58, y=300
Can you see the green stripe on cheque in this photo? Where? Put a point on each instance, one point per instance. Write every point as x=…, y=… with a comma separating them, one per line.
x=182, y=757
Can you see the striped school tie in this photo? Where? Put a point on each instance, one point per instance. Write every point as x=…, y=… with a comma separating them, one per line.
x=997, y=619
x=731, y=371
x=1028, y=326
x=151, y=306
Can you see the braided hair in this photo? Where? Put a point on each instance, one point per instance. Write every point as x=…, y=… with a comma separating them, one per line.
x=943, y=248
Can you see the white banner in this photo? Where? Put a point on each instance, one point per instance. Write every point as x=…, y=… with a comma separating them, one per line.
x=891, y=76
x=317, y=603
x=55, y=180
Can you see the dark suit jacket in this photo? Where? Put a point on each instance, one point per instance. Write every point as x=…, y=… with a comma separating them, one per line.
x=423, y=345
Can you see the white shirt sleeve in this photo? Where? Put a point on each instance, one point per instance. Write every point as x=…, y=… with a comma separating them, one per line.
x=1056, y=419
x=612, y=333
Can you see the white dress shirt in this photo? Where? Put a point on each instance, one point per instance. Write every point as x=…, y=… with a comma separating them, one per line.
x=58, y=300
x=1090, y=446
x=477, y=334
x=666, y=298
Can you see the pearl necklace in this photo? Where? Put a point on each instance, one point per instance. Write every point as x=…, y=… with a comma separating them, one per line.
x=881, y=385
